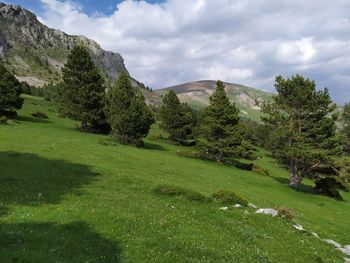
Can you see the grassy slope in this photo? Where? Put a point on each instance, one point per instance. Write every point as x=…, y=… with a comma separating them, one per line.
x=66, y=197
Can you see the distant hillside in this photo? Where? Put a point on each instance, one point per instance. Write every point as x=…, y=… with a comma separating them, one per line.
x=36, y=53
x=197, y=95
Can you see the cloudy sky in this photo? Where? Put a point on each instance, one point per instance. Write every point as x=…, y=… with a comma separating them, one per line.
x=241, y=41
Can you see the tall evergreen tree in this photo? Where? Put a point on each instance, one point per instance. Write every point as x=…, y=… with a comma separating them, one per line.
x=176, y=118
x=127, y=113
x=83, y=96
x=346, y=127
x=10, y=91
x=304, y=126
x=219, y=132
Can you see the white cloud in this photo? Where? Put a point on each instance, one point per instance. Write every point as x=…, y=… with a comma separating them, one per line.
x=239, y=41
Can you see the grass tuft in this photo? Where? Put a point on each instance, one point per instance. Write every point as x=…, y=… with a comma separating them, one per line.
x=229, y=198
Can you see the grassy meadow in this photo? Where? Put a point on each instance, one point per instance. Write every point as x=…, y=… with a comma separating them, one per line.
x=67, y=196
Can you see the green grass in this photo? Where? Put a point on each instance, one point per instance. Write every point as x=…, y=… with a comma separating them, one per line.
x=67, y=196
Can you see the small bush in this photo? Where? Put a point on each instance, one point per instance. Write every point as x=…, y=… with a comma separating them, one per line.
x=3, y=119
x=229, y=198
x=188, y=154
x=328, y=186
x=40, y=115
x=178, y=191
x=169, y=190
x=260, y=170
x=286, y=212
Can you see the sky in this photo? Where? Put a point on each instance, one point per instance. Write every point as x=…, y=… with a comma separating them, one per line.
x=248, y=42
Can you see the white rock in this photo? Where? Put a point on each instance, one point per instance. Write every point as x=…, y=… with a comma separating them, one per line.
x=252, y=206
x=347, y=260
x=315, y=235
x=299, y=227
x=332, y=242
x=237, y=206
x=347, y=247
x=344, y=250
x=267, y=211
x=224, y=208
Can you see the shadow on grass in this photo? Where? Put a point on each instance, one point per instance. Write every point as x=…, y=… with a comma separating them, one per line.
x=49, y=242
x=28, y=179
x=153, y=146
x=31, y=119
x=302, y=187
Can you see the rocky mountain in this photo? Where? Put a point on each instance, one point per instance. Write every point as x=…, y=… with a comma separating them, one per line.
x=197, y=94
x=36, y=53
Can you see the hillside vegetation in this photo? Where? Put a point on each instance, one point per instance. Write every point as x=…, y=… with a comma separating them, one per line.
x=66, y=194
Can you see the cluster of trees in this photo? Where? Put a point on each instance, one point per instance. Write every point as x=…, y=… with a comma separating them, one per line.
x=83, y=96
x=217, y=132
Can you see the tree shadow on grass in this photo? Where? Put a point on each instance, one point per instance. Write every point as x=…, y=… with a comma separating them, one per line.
x=28, y=179
x=31, y=119
x=49, y=242
x=153, y=146
x=302, y=187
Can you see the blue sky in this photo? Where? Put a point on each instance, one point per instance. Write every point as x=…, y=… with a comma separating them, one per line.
x=240, y=41
x=88, y=6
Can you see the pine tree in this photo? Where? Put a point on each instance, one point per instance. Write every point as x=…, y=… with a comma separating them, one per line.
x=304, y=126
x=219, y=132
x=10, y=91
x=176, y=118
x=83, y=97
x=127, y=113
x=346, y=127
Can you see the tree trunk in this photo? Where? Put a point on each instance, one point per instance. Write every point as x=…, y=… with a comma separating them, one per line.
x=295, y=179
x=84, y=125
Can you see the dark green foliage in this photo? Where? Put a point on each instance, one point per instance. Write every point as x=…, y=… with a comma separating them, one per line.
x=229, y=198
x=3, y=119
x=219, y=133
x=176, y=118
x=304, y=126
x=40, y=115
x=10, y=91
x=26, y=88
x=328, y=186
x=179, y=191
x=83, y=96
x=346, y=127
x=127, y=113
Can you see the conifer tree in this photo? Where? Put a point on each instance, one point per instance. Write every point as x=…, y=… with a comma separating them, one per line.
x=10, y=91
x=346, y=127
x=83, y=96
x=176, y=118
x=219, y=132
x=127, y=113
x=304, y=126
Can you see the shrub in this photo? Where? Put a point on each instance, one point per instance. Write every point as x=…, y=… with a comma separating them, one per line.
x=286, y=212
x=40, y=115
x=3, y=119
x=178, y=191
x=243, y=166
x=328, y=186
x=260, y=170
x=229, y=198
x=188, y=154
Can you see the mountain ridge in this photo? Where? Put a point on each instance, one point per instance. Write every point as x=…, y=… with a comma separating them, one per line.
x=197, y=94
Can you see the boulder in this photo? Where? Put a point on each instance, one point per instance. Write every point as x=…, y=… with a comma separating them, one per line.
x=267, y=211
x=224, y=208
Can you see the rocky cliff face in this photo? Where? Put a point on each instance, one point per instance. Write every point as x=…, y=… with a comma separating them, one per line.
x=34, y=51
